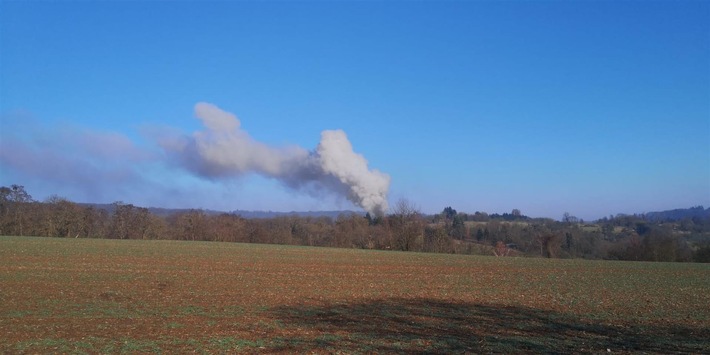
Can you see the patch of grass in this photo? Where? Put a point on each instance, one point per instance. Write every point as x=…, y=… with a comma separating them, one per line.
x=193, y=311
x=270, y=325
x=228, y=344
x=17, y=313
x=327, y=340
x=55, y=345
x=224, y=344
x=174, y=325
x=132, y=346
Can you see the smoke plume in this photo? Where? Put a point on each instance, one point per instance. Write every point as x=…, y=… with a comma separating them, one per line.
x=223, y=149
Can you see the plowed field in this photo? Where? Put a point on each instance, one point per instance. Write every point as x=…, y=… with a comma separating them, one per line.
x=109, y=296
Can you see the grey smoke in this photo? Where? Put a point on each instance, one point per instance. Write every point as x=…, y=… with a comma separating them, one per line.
x=223, y=149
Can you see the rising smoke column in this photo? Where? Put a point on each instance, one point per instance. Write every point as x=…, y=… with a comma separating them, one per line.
x=223, y=149
x=367, y=188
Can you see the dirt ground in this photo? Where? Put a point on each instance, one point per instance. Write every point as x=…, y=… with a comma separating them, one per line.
x=108, y=296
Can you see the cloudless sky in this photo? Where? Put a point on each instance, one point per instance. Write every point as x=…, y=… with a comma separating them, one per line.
x=591, y=108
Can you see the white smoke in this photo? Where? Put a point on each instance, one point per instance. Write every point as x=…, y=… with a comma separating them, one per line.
x=367, y=188
x=223, y=149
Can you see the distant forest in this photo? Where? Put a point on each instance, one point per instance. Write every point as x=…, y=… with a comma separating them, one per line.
x=678, y=235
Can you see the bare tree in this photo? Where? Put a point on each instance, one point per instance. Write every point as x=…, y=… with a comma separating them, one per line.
x=501, y=249
x=407, y=226
x=61, y=218
x=569, y=219
x=17, y=200
x=405, y=208
x=352, y=230
x=436, y=240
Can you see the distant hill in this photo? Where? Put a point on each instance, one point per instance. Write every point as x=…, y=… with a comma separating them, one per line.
x=270, y=214
x=678, y=214
x=164, y=212
x=669, y=215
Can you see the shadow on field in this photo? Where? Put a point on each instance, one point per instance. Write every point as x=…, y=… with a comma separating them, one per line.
x=435, y=326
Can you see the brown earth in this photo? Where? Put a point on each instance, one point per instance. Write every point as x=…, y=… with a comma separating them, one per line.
x=107, y=296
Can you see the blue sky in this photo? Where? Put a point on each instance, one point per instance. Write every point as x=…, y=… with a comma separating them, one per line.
x=591, y=108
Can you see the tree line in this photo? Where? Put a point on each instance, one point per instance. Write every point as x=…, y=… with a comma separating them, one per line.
x=405, y=228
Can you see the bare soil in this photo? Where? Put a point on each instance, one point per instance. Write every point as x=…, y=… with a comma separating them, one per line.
x=108, y=296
